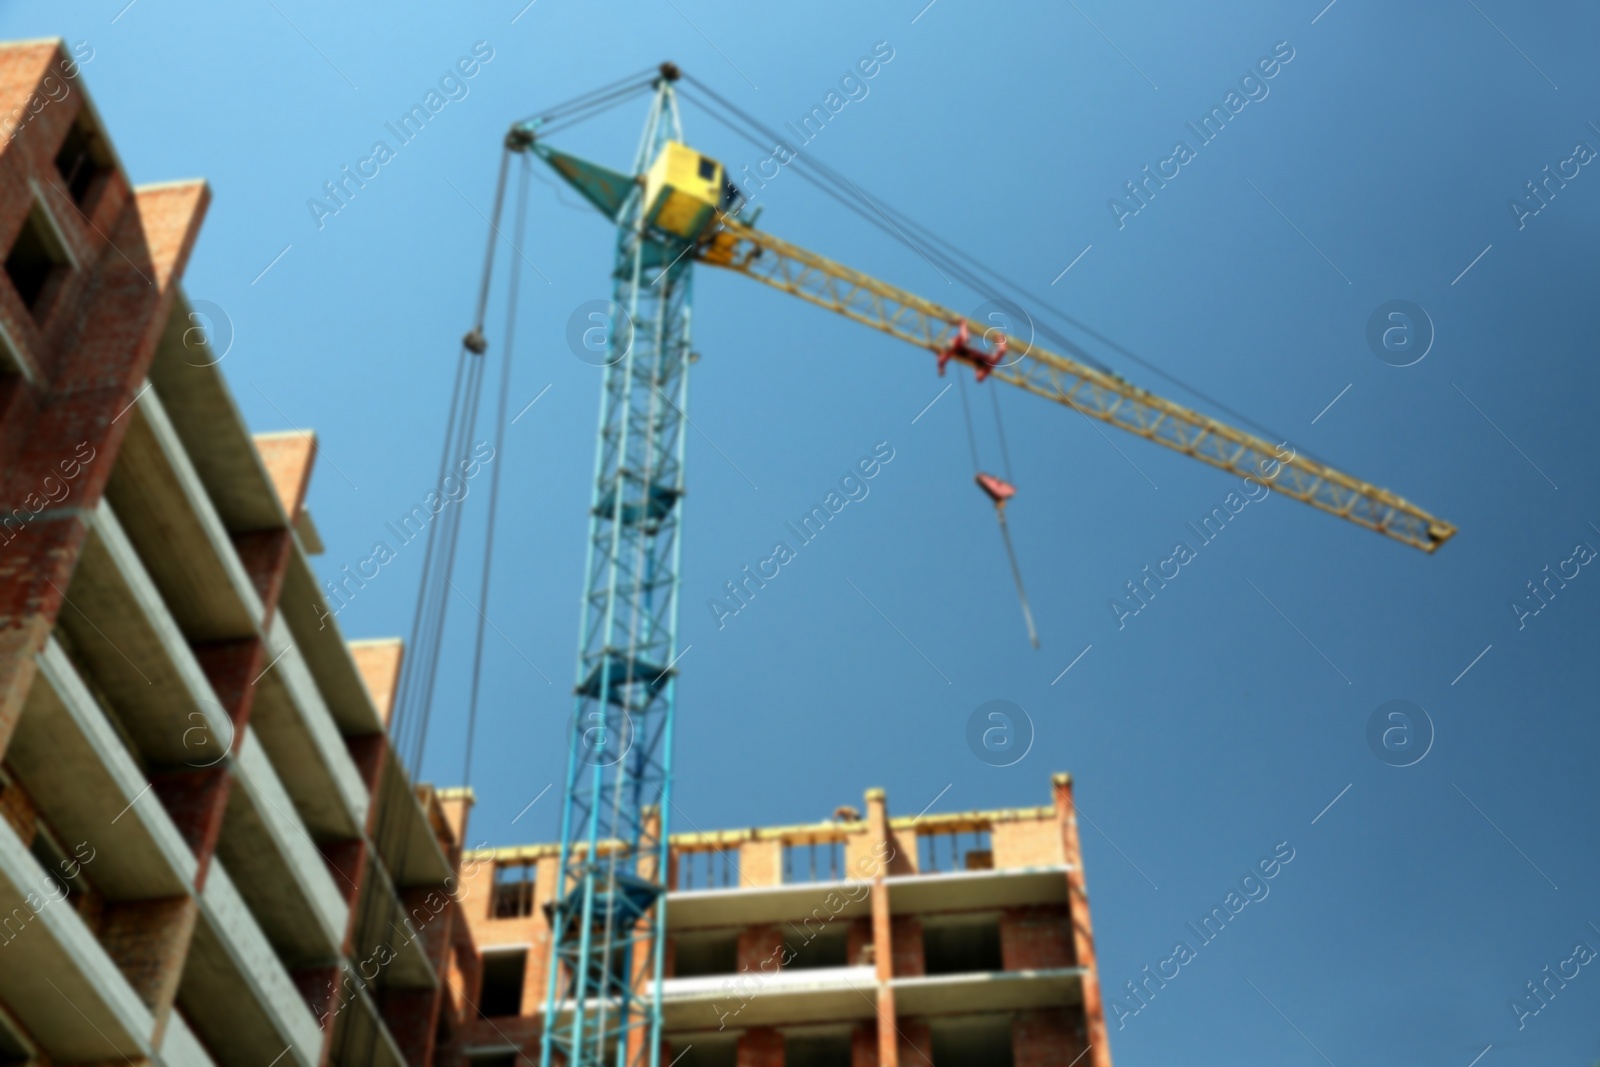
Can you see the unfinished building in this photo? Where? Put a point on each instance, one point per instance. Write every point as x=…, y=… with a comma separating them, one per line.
x=209, y=852
x=956, y=939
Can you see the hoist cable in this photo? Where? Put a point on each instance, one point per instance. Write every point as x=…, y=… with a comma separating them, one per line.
x=593, y=108
x=415, y=696
x=1000, y=429
x=1016, y=575
x=966, y=415
x=513, y=287
x=554, y=111
x=408, y=725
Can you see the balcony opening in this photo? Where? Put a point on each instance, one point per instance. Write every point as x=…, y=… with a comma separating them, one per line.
x=970, y=850
x=53, y=858
x=976, y=1041
x=814, y=861
x=512, y=897
x=503, y=973
x=961, y=944
x=36, y=263
x=716, y=868
x=818, y=1050
x=83, y=160
x=827, y=947
x=706, y=1050
x=703, y=954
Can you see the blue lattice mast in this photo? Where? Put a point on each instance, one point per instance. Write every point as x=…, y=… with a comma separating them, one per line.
x=609, y=917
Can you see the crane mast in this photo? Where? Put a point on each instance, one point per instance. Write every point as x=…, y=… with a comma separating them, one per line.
x=608, y=919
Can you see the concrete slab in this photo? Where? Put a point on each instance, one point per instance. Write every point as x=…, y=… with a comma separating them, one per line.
x=988, y=991
x=203, y=414
x=69, y=757
x=743, y=906
x=295, y=727
x=279, y=871
x=823, y=994
x=912, y=894
x=120, y=626
x=316, y=633
x=169, y=518
x=235, y=991
x=56, y=978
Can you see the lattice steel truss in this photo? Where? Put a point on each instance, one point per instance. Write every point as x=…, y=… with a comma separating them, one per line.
x=1094, y=393
x=609, y=916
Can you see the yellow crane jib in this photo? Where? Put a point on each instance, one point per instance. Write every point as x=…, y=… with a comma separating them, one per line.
x=1096, y=394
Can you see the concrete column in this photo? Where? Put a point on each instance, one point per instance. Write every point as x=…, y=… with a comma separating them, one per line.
x=882, y=932
x=1082, y=930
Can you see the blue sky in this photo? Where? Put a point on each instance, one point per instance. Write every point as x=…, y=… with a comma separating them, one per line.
x=1221, y=720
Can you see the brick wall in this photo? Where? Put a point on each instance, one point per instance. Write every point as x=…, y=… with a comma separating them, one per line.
x=761, y=1047
x=1026, y=843
x=1035, y=938
x=761, y=863
x=864, y=1045
x=760, y=945
x=906, y=934
x=1047, y=1038
x=916, y=1043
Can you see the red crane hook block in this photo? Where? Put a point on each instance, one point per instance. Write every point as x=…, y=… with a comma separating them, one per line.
x=997, y=489
x=961, y=347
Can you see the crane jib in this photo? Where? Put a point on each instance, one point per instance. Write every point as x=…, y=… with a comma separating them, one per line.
x=1094, y=393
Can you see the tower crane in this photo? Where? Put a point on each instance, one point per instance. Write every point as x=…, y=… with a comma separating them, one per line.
x=673, y=210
